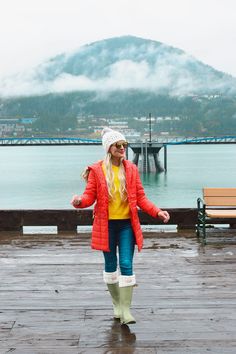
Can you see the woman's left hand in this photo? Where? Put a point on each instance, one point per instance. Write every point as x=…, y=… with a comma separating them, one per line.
x=164, y=216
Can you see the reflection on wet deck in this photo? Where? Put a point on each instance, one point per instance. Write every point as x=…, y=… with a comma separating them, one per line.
x=53, y=299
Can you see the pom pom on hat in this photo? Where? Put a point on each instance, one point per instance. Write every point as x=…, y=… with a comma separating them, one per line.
x=106, y=130
x=109, y=137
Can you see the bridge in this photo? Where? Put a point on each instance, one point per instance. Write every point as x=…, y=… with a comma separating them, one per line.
x=87, y=141
x=227, y=139
x=48, y=141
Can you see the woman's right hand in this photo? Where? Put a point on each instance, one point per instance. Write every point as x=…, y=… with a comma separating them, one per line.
x=75, y=201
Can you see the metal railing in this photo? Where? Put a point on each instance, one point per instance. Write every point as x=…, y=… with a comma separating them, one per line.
x=87, y=141
x=48, y=141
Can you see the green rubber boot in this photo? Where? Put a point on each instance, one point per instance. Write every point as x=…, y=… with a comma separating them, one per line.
x=114, y=290
x=112, y=281
x=126, y=294
x=126, y=284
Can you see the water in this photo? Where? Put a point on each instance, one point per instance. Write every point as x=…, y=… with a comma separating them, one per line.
x=46, y=177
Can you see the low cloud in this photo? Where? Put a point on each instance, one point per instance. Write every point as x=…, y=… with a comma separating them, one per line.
x=176, y=74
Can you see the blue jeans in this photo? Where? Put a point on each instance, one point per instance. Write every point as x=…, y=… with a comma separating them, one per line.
x=120, y=234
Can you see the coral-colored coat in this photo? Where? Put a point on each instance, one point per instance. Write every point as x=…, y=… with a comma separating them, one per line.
x=96, y=190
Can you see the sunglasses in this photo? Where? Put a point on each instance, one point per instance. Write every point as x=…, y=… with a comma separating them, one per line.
x=121, y=145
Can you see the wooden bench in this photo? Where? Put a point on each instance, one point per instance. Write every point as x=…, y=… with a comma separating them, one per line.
x=218, y=205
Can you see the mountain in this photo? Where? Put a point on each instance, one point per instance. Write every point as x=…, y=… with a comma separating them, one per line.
x=123, y=77
x=122, y=63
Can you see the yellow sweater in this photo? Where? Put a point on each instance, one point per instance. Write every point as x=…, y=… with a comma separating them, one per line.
x=117, y=208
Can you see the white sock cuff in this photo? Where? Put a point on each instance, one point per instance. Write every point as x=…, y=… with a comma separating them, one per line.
x=126, y=280
x=111, y=277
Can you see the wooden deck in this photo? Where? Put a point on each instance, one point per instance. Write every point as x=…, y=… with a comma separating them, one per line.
x=53, y=299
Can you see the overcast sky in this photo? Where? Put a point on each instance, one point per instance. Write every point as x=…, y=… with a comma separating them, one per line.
x=32, y=31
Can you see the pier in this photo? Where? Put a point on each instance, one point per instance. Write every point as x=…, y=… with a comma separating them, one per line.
x=54, y=300
x=146, y=156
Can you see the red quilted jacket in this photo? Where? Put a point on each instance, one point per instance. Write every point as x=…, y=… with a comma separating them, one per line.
x=96, y=190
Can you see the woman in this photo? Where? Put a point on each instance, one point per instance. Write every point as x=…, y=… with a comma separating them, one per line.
x=115, y=185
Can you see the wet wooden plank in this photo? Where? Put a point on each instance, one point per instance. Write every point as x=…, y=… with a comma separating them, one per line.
x=53, y=299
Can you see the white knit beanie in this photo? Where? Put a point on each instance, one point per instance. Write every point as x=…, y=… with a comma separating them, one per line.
x=110, y=136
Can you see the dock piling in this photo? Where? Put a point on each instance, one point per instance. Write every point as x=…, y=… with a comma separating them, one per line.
x=149, y=156
x=165, y=158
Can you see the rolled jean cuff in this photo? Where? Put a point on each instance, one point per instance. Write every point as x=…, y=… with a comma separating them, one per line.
x=111, y=277
x=126, y=280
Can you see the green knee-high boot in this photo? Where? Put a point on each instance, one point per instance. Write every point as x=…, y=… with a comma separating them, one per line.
x=111, y=279
x=115, y=295
x=126, y=284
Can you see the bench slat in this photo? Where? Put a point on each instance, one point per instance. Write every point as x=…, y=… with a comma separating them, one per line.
x=220, y=201
x=221, y=213
x=219, y=192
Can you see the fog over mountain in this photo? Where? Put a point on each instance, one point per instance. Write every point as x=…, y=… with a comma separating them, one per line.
x=121, y=63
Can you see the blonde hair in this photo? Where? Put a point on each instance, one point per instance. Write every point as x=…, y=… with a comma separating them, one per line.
x=110, y=178
x=85, y=174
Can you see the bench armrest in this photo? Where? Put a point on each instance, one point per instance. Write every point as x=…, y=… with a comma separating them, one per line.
x=200, y=204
